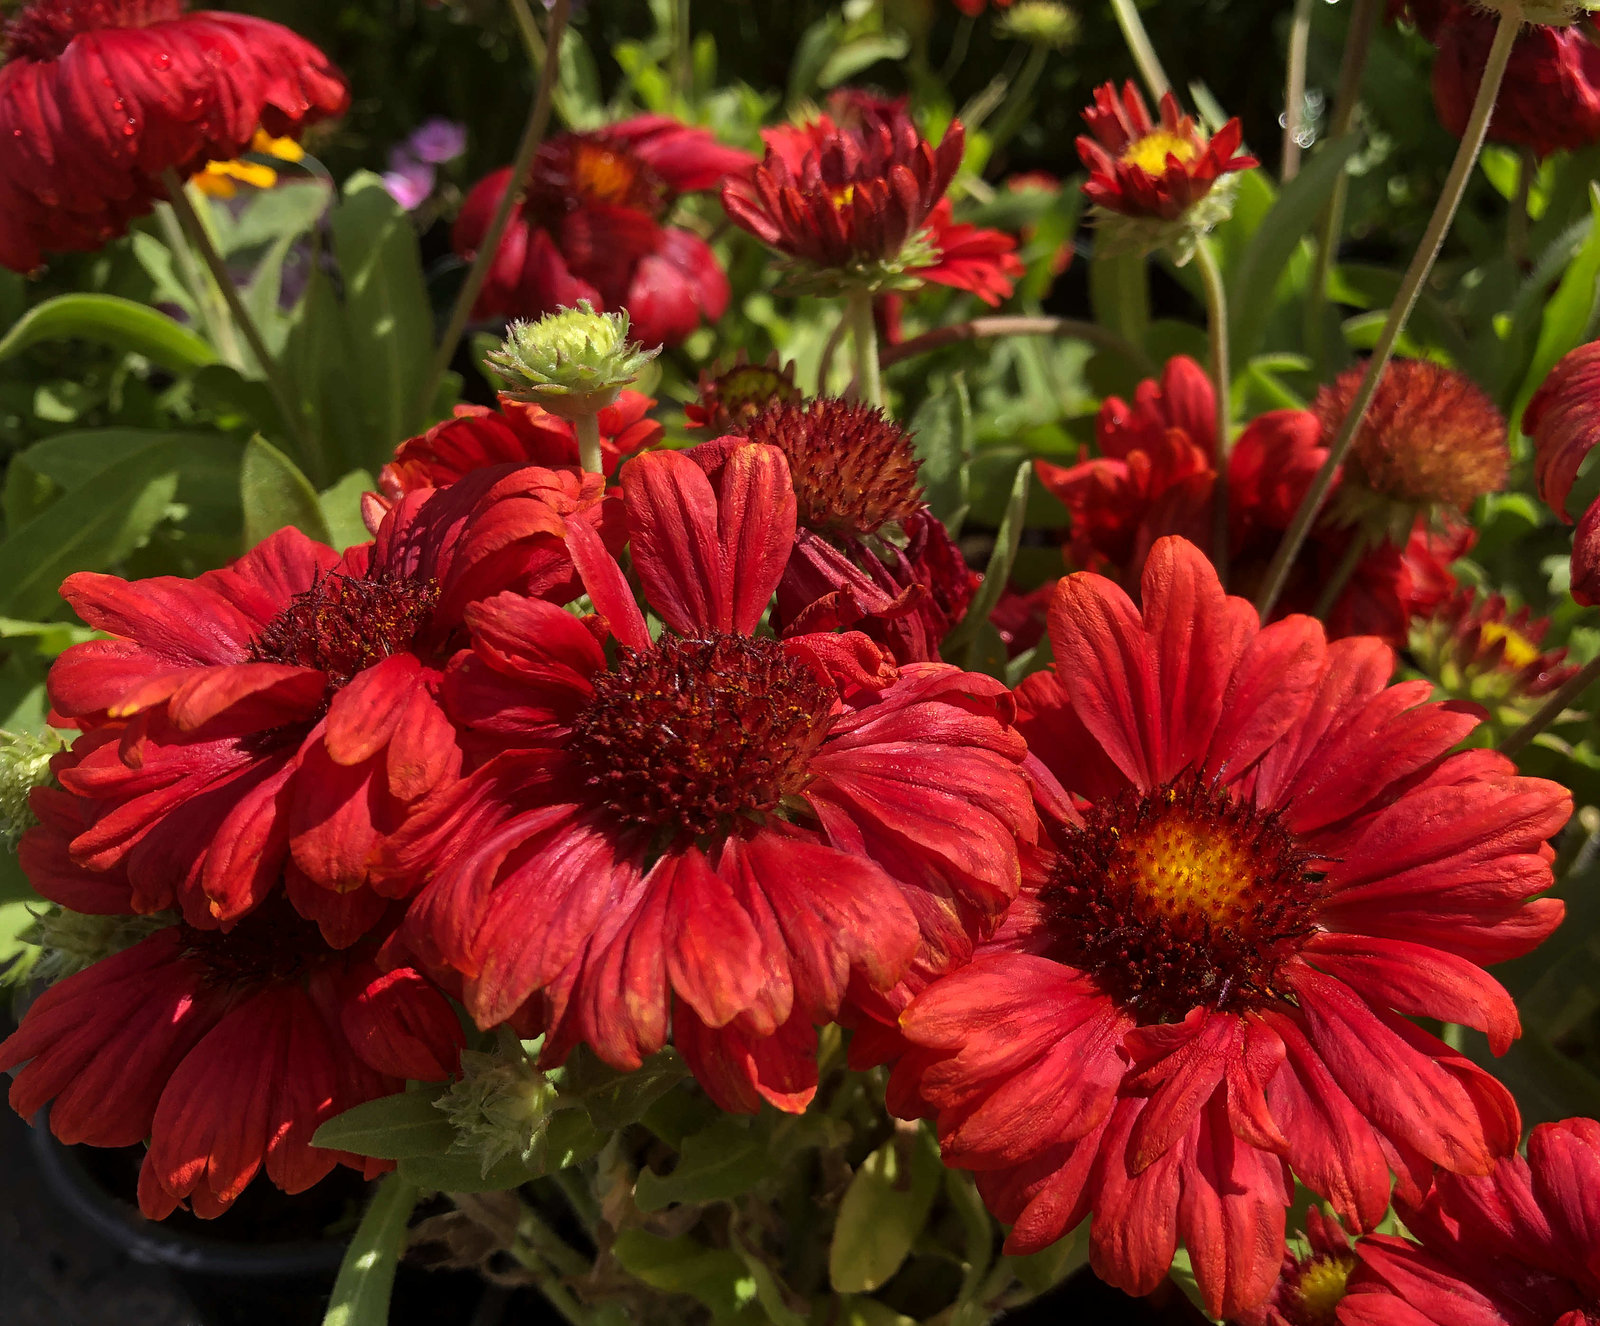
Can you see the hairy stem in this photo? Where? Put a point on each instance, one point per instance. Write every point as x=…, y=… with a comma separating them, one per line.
x=532, y=136
x=1144, y=54
x=1217, y=324
x=1294, y=93
x=587, y=428
x=864, y=338
x=1405, y=300
x=1552, y=709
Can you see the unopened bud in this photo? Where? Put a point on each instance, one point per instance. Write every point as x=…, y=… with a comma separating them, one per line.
x=24, y=765
x=573, y=363
x=69, y=942
x=1040, y=22
x=501, y=1107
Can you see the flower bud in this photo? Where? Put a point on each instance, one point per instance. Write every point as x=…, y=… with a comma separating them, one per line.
x=1040, y=23
x=500, y=1107
x=24, y=765
x=70, y=942
x=574, y=362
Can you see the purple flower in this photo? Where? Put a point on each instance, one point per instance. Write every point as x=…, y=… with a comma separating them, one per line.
x=437, y=141
x=409, y=181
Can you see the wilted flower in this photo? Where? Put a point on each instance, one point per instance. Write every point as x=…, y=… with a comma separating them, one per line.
x=1153, y=184
x=99, y=97
x=590, y=226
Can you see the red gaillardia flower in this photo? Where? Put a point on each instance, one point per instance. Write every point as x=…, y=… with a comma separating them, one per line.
x=1564, y=423
x=1313, y=1280
x=99, y=97
x=1477, y=649
x=733, y=397
x=1262, y=861
x=1154, y=184
x=1431, y=442
x=868, y=554
x=515, y=434
x=860, y=207
x=276, y=719
x=1519, y=1246
x=226, y=1051
x=713, y=830
x=590, y=225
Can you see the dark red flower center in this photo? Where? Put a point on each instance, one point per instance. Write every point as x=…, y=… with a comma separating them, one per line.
x=44, y=29
x=343, y=624
x=271, y=945
x=854, y=470
x=577, y=170
x=693, y=735
x=1180, y=898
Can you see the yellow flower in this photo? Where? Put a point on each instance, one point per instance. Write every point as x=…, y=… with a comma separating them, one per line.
x=221, y=179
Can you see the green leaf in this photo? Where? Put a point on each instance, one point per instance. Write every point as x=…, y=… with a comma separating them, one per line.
x=1119, y=293
x=1253, y=282
x=275, y=495
x=614, y=1098
x=722, y=1161
x=110, y=320
x=105, y=520
x=569, y=1140
x=714, y=1276
x=883, y=1212
x=1567, y=316
x=14, y=885
x=366, y=1277
x=341, y=509
x=846, y=61
x=870, y=1312
x=1042, y=1271
x=998, y=572
x=391, y=1128
x=769, y=1292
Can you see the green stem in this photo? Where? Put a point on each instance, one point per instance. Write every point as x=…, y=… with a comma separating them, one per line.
x=1217, y=324
x=1294, y=95
x=682, y=51
x=587, y=427
x=1517, y=222
x=209, y=304
x=1009, y=325
x=532, y=136
x=1341, y=576
x=1144, y=54
x=1017, y=99
x=194, y=230
x=864, y=338
x=1552, y=708
x=1357, y=42
x=1405, y=300
x=831, y=348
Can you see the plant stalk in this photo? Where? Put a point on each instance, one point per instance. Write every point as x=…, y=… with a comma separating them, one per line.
x=864, y=339
x=1294, y=93
x=1144, y=54
x=1552, y=709
x=199, y=238
x=1221, y=382
x=1341, y=576
x=1405, y=300
x=532, y=137
x=587, y=428
x=1016, y=325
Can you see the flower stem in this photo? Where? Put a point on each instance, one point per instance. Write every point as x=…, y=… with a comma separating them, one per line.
x=1357, y=42
x=587, y=427
x=1455, y=187
x=1552, y=708
x=1011, y=325
x=199, y=238
x=682, y=51
x=532, y=136
x=864, y=337
x=1144, y=54
x=1294, y=93
x=1217, y=324
x=1517, y=222
x=1341, y=576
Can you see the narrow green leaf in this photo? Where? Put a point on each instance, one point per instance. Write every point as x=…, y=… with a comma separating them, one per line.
x=391, y=1128
x=110, y=320
x=714, y=1276
x=998, y=572
x=769, y=1292
x=275, y=494
x=366, y=1277
x=882, y=1213
x=1568, y=315
x=1119, y=293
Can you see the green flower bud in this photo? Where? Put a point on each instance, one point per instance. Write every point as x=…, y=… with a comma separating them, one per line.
x=68, y=942
x=500, y=1107
x=1041, y=22
x=24, y=765
x=573, y=363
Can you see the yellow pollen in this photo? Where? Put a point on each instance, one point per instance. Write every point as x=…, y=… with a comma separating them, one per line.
x=1322, y=1286
x=842, y=197
x=603, y=175
x=1150, y=153
x=1182, y=866
x=1520, y=651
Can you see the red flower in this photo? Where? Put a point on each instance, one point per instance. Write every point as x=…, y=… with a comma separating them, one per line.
x=1311, y=1284
x=277, y=718
x=866, y=202
x=1139, y=168
x=868, y=554
x=515, y=434
x=226, y=1051
x=590, y=226
x=1478, y=649
x=1586, y=558
x=1517, y=1247
x=1550, y=100
x=713, y=829
x=1263, y=862
x=730, y=399
x=99, y=97
x=1564, y=423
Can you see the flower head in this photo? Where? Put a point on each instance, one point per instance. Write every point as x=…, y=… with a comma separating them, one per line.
x=1313, y=1280
x=711, y=831
x=1477, y=649
x=1431, y=441
x=1042, y=22
x=226, y=1051
x=99, y=97
x=1262, y=859
x=1563, y=419
x=573, y=362
x=731, y=398
x=277, y=718
x=1155, y=184
x=591, y=225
